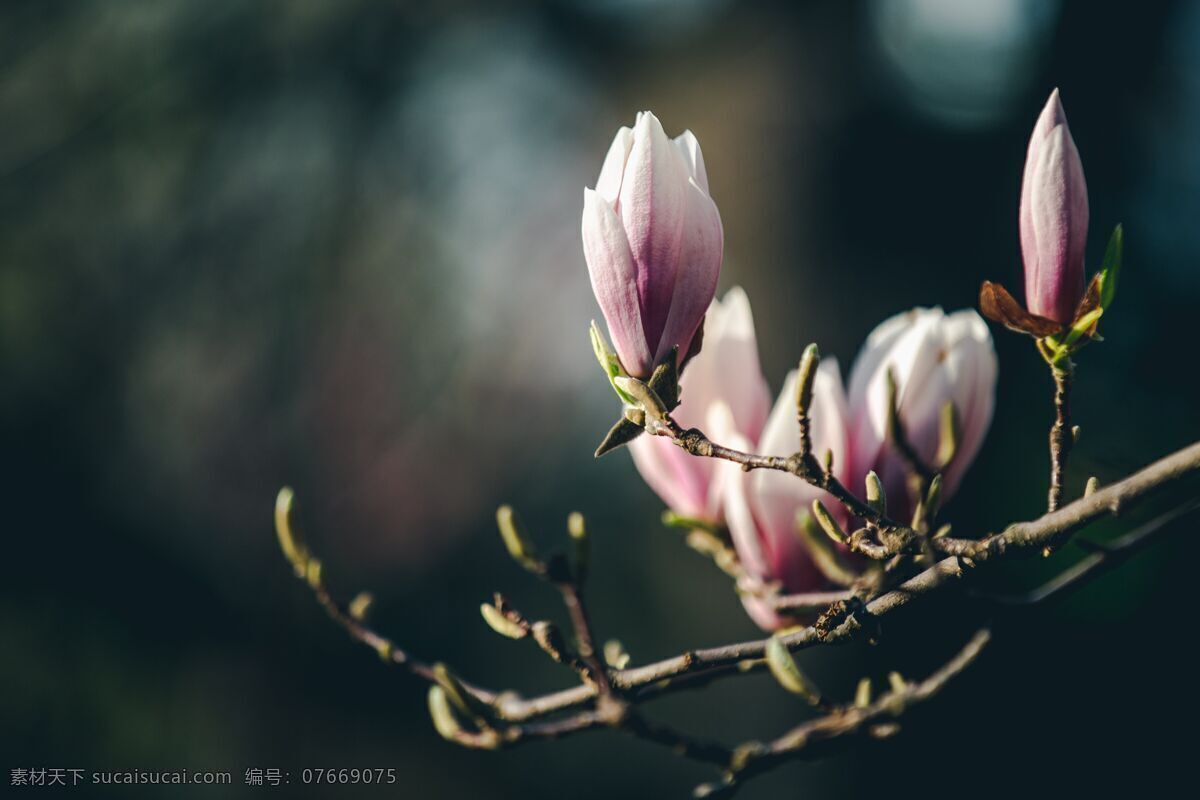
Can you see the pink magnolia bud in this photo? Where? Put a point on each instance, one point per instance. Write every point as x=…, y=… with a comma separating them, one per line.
x=761, y=507
x=1053, y=217
x=726, y=373
x=934, y=358
x=653, y=240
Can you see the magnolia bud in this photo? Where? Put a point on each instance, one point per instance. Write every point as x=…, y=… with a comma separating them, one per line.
x=1053, y=217
x=652, y=239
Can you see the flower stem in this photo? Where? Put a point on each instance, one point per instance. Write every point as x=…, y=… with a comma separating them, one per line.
x=1061, y=436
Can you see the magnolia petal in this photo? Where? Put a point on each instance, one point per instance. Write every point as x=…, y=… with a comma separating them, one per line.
x=936, y=358
x=699, y=269
x=896, y=345
x=690, y=148
x=608, y=185
x=727, y=370
x=975, y=394
x=680, y=479
x=734, y=486
x=614, y=282
x=777, y=497
x=652, y=205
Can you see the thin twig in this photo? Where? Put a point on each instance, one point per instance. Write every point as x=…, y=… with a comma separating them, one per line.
x=809, y=601
x=1104, y=557
x=386, y=648
x=898, y=439
x=1061, y=435
x=1057, y=526
x=803, y=465
x=595, y=670
x=820, y=736
x=681, y=744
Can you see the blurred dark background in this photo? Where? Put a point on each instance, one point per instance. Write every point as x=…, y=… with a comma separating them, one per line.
x=334, y=244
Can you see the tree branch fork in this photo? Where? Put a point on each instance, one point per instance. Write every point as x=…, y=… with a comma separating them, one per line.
x=913, y=565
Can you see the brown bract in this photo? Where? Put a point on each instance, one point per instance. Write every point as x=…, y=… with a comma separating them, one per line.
x=998, y=305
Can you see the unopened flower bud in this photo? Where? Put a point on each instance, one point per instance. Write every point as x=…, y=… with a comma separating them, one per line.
x=652, y=239
x=1053, y=217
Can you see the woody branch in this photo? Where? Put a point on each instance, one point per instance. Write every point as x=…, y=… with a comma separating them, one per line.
x=501, y=719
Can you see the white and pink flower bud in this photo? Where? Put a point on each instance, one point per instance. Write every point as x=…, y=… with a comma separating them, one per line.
x=652, y=239
x=725, y=374
x=1053, y=217
x=762, y=507
x=934, y=358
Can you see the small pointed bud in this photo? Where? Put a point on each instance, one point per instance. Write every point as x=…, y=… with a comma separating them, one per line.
x=515, y=539
x=827, y=461
x=460, y=698
x=862, y=695
x=615, y=655
x=828, y=523
x=1093, y=483
x=783, y=667
x=876, y=496
x=444, y=719
x=361, y=605
x=918, y=516
x=949, y=434
x=827, y=558
x=933, y=497
x=455, y=693
x=1110, y=268
x=1075, y=430
x=645, y=397
x=942, y=532
x=894, y=425
x=289, y=542
x=897, y=682
x=805, y=376
x=500, y=623
x=577, y=529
